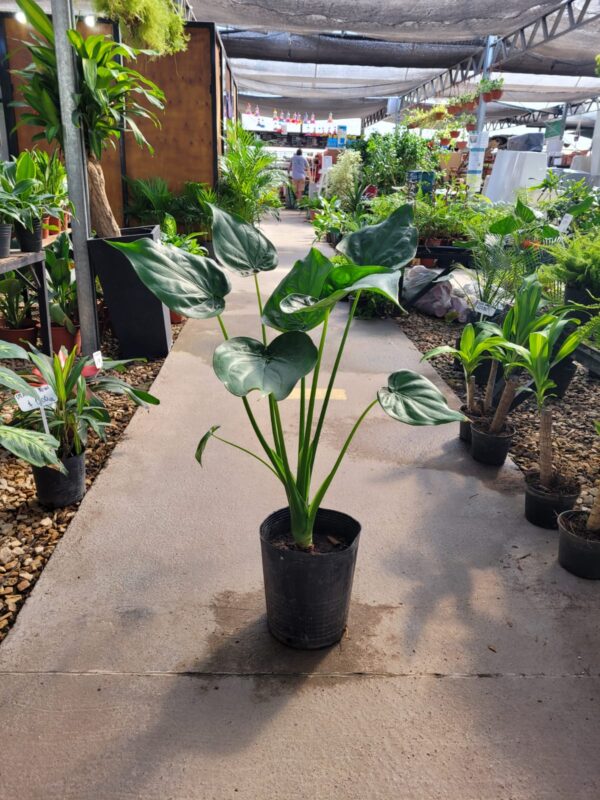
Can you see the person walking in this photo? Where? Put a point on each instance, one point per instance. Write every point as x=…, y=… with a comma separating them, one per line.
x=298, y=172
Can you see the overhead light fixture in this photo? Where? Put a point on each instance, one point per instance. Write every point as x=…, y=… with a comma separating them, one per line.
x=90, y=20
x=20, y=17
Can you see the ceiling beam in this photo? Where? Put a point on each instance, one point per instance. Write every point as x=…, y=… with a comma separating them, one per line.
x=540, y=117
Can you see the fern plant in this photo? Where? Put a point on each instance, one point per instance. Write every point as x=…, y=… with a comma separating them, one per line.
x=150, y=199
x=577, y=262
x=156, y=25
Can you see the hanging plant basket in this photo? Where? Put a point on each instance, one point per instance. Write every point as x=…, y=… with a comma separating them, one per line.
x=454, y=134
x=471, y=126
x=439, y=115
x=496, y=94
x=487, y=96
x=453, y=109
x=444, y=141
x=461, y=145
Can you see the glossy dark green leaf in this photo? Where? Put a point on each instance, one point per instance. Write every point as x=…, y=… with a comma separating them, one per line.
x=380, y=280
x=204, y=441
x=307, y=277
x=240, y=246
x=34, y=447
x=392, y=243
x=244, y=364
x=413, y=399
x=186, y=283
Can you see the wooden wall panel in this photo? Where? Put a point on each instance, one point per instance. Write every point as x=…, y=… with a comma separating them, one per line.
x=219, y=96
x=18, y=59
x=184, y=146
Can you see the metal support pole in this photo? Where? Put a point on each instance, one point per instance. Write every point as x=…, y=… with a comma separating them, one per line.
x=76, y=165
x=478, y=142
x=490, y=44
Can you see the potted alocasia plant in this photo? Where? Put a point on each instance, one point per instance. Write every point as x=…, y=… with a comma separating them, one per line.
x=579, y=538
x=308, y=576
x=76, y=409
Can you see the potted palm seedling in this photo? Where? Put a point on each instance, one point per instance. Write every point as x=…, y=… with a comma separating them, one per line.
x=475, y=346
x=69, y=410
x=579, y=538
x=548, y=493
x=308, y=552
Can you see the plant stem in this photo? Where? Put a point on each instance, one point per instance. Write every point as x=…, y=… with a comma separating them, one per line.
x=471, y=394
x=260, y=309
x=304, y=461
x=301, y=416
x=546, y=472
x=489, y=389
x=318, y=498
x=593, y=523
x=508, y=395
x=264, y=444
x=338, y=358
x=223, y=328
x=249, y=452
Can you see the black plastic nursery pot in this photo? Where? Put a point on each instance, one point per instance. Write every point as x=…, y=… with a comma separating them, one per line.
x=308, y=594
x=140, y=321
x=577, y=554
x=55, y=490
x=543, y=507
x=464, y=426
x=30, y=241
x=5, y=237
x=490, y=448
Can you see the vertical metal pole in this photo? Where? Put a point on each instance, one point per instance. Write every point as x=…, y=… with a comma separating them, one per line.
x=595, y=165
x=477, y=150
x=490, y=44
x=76, y=164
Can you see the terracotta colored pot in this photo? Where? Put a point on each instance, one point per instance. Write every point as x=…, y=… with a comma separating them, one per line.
x=487, y=96
x=66, y=221
x=471, y=127
x=496, y=94
x=444, y=142
x=455, y=134
x=56, y=225
x=428, y=262
x=62, y=338
x=439, y=115
x=176, y=319
x=16, y=335
x=453, y=109
x=461, y=145
x=46, y=226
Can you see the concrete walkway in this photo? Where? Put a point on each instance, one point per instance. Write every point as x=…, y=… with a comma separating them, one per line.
x=141, y=667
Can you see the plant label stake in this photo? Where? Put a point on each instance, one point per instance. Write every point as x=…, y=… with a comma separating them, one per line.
x=45, y=397
x=485, y=308
x=563, y=225
x=98, y=360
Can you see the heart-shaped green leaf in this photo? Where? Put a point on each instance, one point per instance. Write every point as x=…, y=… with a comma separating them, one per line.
x=34, y=447
x=306, y=277
x=186, y=283
x=244, y=364
x=413, y=399
x=343, y=281
x=240, y=246
x=392, y=243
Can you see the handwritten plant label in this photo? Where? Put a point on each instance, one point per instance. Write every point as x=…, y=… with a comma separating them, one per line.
x=565, y=222
x=45, y=398
x=98, y=360
x=485, y=308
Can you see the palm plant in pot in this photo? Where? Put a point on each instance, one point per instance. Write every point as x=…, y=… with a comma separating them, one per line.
x=548, y=493
x=579, y=538
x=16, y=304
x=308, y=552
x=76, y=408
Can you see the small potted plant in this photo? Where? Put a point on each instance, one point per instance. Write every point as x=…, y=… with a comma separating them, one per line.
x=547, y=493
x=51, y=173
x=76, y=410
x=475, y=346
x=579, y=538
x=576, y=263
x=491, y=89
x=12, y=205
x=308, y=552
x=62, y=294
x=16, y=324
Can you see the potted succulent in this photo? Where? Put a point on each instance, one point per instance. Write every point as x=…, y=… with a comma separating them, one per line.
x=475, y=346
x=579, y=538
x=75, y=410
x=308, y=552
x=16, y=324
x=547, y=493
x=111, y=96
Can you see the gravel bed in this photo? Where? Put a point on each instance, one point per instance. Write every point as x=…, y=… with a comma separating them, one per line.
x=28, y=532
x=576, y=445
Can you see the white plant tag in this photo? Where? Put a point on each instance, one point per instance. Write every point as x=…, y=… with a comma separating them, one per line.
x=98, y=361
x=45, y=397
x=485, y=308
x=565, y=222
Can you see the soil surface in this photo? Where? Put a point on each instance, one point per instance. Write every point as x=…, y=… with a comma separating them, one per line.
x=29, y=533
x=576, y=444
x=577, y=524
x=322, y=543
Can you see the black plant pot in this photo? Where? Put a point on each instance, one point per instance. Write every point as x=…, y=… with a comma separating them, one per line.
x=542, y=508
x=308, y=594
x=140, y=321
x=55, y=490
x=464, y=426
x=490, y=448
x=5, y=237
x=579, y=556
x=30, y=241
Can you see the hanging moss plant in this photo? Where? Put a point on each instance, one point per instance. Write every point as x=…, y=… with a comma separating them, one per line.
x=149, y=24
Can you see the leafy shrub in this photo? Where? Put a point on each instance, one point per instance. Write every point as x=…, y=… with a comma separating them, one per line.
x=344, y=175
x=150, y=24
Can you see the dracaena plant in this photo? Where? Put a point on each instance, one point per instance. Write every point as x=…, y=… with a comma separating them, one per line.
x=78, y=408
x=285, y=355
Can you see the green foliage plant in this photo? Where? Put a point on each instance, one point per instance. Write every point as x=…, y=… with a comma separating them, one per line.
x=62, y=284
x=284, y=356
x=576, y=262
x=15, y=302
x=344, y=176
x=391, y=156
x=156, y=25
